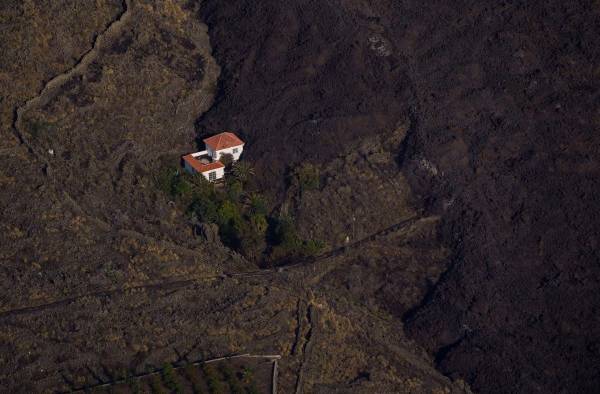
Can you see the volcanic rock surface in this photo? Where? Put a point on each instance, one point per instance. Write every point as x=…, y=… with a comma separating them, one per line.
x=503, y=144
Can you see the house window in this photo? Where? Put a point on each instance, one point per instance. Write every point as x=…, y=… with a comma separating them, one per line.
x=235, y=150
x=212, y=175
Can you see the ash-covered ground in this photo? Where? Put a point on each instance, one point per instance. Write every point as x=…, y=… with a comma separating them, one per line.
x=458, y=150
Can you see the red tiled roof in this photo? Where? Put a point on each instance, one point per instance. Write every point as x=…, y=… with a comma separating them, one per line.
x=200, y=167
x=223, y=141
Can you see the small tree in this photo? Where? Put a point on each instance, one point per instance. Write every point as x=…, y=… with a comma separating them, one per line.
x=258, y=205
x=285, y=233
x=285, y=240
x=171, y=181
x=259, y=224
x=234, y=190
x=226, y=159
x=230, y=222
x=312, y=247
x=228, y=213
x=252, y=235
x=204, y=209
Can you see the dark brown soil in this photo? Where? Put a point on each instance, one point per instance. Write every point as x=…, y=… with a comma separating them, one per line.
x=504, y=144
x=477, y=120
x=300, y=80
x=101, y=273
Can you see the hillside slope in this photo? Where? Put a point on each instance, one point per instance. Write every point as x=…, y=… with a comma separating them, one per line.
x=458, y=159
x=101, y=273
x=503, y=107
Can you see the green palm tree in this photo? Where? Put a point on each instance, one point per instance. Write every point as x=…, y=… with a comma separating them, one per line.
x=242, y=171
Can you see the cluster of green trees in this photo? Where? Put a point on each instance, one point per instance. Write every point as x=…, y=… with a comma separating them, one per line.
x=241, y=214
x=286, y=243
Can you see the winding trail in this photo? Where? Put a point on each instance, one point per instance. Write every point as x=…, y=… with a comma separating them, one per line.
x=184, y=282
x=52, y=86
x=311, y=316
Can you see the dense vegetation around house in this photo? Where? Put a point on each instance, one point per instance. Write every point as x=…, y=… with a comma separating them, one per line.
x=241, y=214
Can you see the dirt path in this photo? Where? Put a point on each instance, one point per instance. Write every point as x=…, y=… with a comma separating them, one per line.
x=181, y=282
x=110, y=33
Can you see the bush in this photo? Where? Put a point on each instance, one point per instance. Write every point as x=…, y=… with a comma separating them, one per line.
x=179, y=187
x=205, y=209
x=229, y=220
x=288, y=244
x=228, y=214
x=165, y=180
x=257, y=203
x=312, y=247
x=284, y=238
x=285, y=233
x=226, y=159
x=258, y=223
x=234, y=190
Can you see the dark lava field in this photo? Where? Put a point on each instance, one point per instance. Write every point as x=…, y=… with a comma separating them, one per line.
x=458, y=145
x=504, y=101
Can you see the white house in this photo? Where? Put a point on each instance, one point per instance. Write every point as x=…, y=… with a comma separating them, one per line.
x=223, y=143
x=207, y=161
x=196, y=163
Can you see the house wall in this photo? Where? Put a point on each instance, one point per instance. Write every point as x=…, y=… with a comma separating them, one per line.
x=236, y=156
x=220, y=173
x=211, y=153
